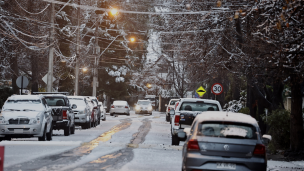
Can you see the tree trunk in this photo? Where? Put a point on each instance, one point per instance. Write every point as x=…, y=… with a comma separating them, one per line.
x=296, y=117
x=34, y=66
x=14, y=67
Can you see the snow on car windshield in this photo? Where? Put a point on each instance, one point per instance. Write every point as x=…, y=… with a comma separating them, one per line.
x=198, y=106
x=24, y=101
x=227, y=130
x=143, y=102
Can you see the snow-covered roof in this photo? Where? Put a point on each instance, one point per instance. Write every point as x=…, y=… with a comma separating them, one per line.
x=225, y=116
x=195, y=100
x=77, y=97
x=27, y=97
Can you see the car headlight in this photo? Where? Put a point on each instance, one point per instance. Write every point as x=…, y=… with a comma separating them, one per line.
x=150, y=108
x=82, y=112
x=3, y=121
x=137, y=107
x=36, y=120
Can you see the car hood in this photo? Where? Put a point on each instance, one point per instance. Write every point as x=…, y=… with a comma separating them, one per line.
x=18, y=114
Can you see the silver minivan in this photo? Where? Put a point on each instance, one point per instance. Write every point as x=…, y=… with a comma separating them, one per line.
x=224, y=141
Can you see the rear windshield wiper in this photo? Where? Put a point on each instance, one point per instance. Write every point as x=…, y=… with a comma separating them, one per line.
x=235, y=136
x=28, y=110
x=11, y=110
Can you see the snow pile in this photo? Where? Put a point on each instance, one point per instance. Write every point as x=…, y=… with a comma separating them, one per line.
x=236, y=105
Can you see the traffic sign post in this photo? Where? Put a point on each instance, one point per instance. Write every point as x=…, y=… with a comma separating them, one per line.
x=217, y=89
x=201, y=91
x=22, y=82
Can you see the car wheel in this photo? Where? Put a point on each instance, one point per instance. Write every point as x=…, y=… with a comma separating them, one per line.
x=49, y=135
x=73, y=129
x=111, y=114
x=175, y=140
x=104, y=119
x=167, y=118
x=43, y=138
x=67, y=130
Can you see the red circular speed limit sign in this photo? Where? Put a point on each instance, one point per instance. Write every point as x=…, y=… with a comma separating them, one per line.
x=217, y=89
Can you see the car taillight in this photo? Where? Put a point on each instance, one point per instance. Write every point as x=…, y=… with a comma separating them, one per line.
x=169, y=108
x=259, y=150
x=176, y=105
x=192, y=145
x=64, y=114
x=176, y=120
x=126, y=107
x=112, y=106
x=95, y=107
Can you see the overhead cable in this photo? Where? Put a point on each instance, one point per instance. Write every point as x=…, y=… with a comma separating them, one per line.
x=31, y=12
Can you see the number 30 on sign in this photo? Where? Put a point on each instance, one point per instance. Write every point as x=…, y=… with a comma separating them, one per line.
x=217, y=89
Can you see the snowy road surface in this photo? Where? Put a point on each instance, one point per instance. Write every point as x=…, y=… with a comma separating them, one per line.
x=126, y=143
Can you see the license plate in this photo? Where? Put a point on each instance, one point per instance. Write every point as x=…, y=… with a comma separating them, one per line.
x=230, y=166
x=119, y=106
x=18, y=131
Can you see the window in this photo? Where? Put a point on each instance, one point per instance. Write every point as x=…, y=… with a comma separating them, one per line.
x=55, y=101
x=227, y=130
x=143, y=102
x=199, y=106
x=28, y=101
x=173, y=102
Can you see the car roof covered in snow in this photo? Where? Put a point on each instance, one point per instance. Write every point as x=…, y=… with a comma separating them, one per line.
x=120, y=102
x=226, y=117
x=77, y=97
x=25, y=97
x=195, y=100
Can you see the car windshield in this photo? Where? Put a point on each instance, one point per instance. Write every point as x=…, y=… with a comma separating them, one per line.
x=55, y=101
x=79, y=102
x=173, y=102
x=198, y=106
x=143, y=102
x=227, y=130
x=24, y=101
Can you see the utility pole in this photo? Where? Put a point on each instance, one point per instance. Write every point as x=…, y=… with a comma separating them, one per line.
x=51, y=51
x=77, y=52
x=95, y=73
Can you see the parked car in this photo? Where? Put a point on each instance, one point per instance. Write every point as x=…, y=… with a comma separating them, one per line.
x=63, y=117
x=82, y=112
x=120, y=107
x=170, y=106
x=224, y=141
x=103, y=111
x=26, y=116
x=93, y=109
x=185, y=112
x=143, y=106
x=96, y=107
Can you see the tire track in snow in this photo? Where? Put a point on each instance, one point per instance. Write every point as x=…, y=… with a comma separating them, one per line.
x=58, y=161
x=117, y=160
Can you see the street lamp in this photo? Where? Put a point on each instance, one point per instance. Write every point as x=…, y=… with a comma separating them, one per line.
x=114, y=11
x=149, y=86
x=132, y=39
x=85, y=69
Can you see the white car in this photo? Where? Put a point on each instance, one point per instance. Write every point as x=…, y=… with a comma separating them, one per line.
x=186, y=111
x=120, y=107
x=143, y=106
x=26, y=116
x=83, y=111
x=170, y=106
x=102, y=111
x=93, y=108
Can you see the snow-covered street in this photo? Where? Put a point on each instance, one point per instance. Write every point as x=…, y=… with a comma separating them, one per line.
x=136, y=142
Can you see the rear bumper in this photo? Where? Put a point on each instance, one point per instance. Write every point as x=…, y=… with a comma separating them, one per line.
x=194, y=160
x=118, y=110
x=60, y=124
x=81, y=118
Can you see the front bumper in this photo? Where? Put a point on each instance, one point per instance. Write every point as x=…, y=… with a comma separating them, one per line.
x=143, y=111
x=20, y=130
x=195, y=160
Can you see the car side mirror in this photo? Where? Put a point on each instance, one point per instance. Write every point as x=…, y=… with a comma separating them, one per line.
x=166, y=105
x=74, y=106
x=187, y=131
x=266, y=139
x=172, y=112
